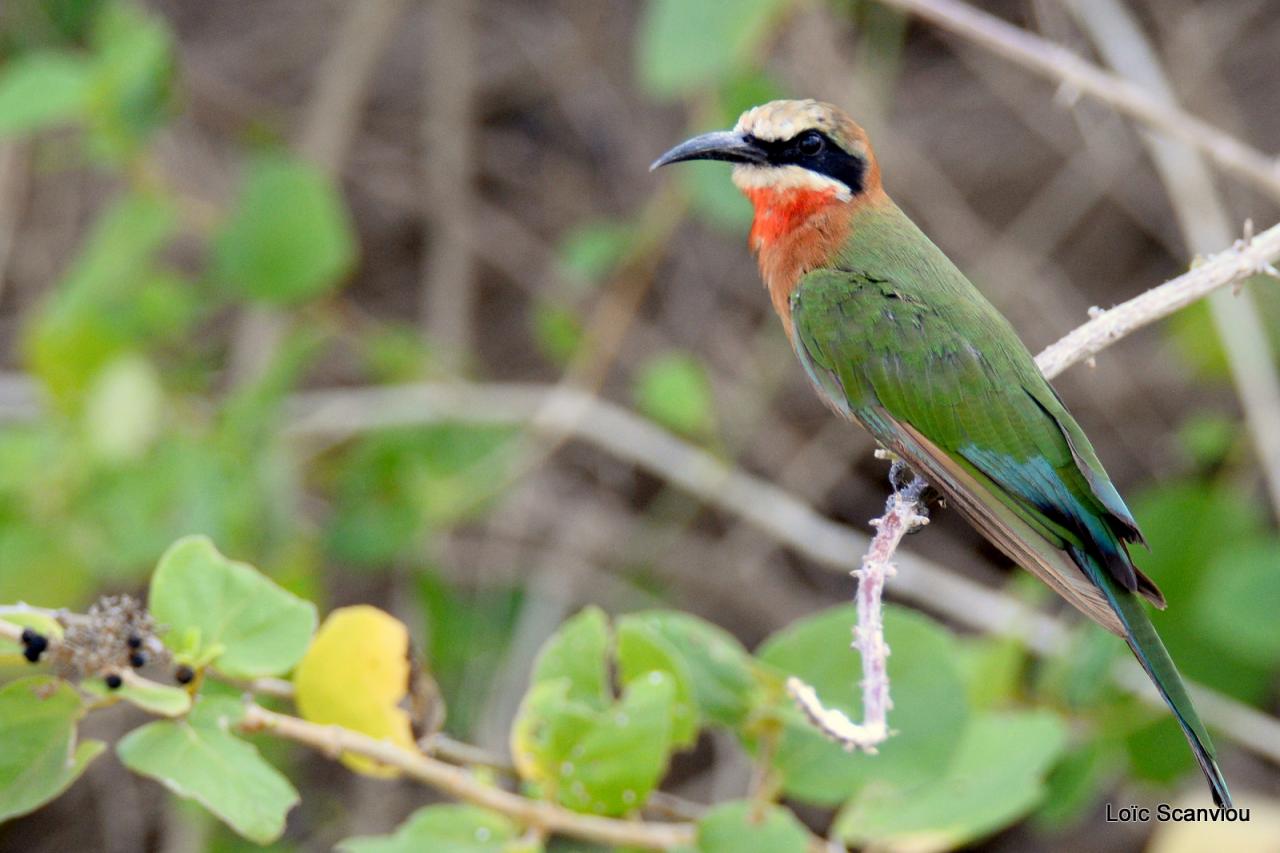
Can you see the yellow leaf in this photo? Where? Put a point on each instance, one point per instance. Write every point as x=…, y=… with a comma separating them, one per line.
x=355, y=675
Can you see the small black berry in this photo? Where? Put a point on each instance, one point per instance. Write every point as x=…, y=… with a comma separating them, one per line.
x=28, y=636
x=135, y=642
x=137, y=659
x=35, y=648
x=184, y=674
x=114, y=681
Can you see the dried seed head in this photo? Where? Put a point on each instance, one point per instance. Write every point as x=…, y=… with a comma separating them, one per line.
x=109, y=638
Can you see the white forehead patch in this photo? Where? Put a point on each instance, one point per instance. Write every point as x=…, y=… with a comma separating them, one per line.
x=782, y=119
x=750, y=177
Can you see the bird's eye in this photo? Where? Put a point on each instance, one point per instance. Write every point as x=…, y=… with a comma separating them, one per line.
x=811, y=144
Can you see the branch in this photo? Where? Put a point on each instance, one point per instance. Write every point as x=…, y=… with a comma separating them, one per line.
x=903, y=514
x=1250, y=256
x=1079, y=76
x=453, y=781
x=458, y=783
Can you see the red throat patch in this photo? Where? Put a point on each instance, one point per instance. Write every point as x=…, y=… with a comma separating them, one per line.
x=795, y=230
x=779, y=212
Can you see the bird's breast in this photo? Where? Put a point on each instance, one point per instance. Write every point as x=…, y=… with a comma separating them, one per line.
x=795, y=230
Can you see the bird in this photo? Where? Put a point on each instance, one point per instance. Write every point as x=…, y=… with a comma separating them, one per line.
x=893, y=336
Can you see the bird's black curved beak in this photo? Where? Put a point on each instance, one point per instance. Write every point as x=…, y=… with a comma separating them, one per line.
x=727, y=145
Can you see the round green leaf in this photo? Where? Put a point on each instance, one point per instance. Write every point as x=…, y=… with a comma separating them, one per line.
x=929, y=703
x=641, y=650
x=546, y=727
x=622, y=757
x=39, y=758
x=289, y=237
x=199, y=759
x=735, y=828
x=723, y=672
x=673, y=390
x=444, y=829
x=577, y=651
x=227, y=613
x=996, y=777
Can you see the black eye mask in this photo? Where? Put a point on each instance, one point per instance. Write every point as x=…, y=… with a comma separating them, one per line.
x=814, y=150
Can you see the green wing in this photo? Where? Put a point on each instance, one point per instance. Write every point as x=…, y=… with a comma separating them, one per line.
x=953, y=371
x=946, y=383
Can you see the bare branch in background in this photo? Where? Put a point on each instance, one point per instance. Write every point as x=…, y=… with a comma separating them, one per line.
x=448, y=146
x=1205, y=225
x=1081, y=77
x=1254, y=254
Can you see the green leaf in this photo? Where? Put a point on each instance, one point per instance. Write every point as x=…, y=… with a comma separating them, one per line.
x=34, y=619
x=673, y=390
x=162, y=699
x=289, y=237
x=1078, y=780
x=723, y=672
x=592, y=251
x=444, y=829
x=237, y=618
x=577, y=651
x=557, y=331
x=395, y=484
x=546, y=727
x=199, y=759
x=641, y=650
x=42, y=89
x=1189, y=524
x=996, y=777
x=685, y=45
x=929, y=703
x=732, y=828
x=133, y=75
x=992, y=668
x=39, y=758
x=617, y=762
x=1238, y=610
x=111, y=301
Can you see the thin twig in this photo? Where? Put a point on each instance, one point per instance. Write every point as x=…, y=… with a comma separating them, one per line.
x=1251, y=256
x=903, y=513
x=1081, y=77
x=458, y=783
x=448, y=151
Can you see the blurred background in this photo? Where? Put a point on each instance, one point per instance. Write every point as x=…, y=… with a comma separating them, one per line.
x=224, y=226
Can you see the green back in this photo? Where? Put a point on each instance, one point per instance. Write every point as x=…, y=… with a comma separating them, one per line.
x=892, y=334
x=894, y=326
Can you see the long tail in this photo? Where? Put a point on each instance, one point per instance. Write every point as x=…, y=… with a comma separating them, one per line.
x=1149, y=649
